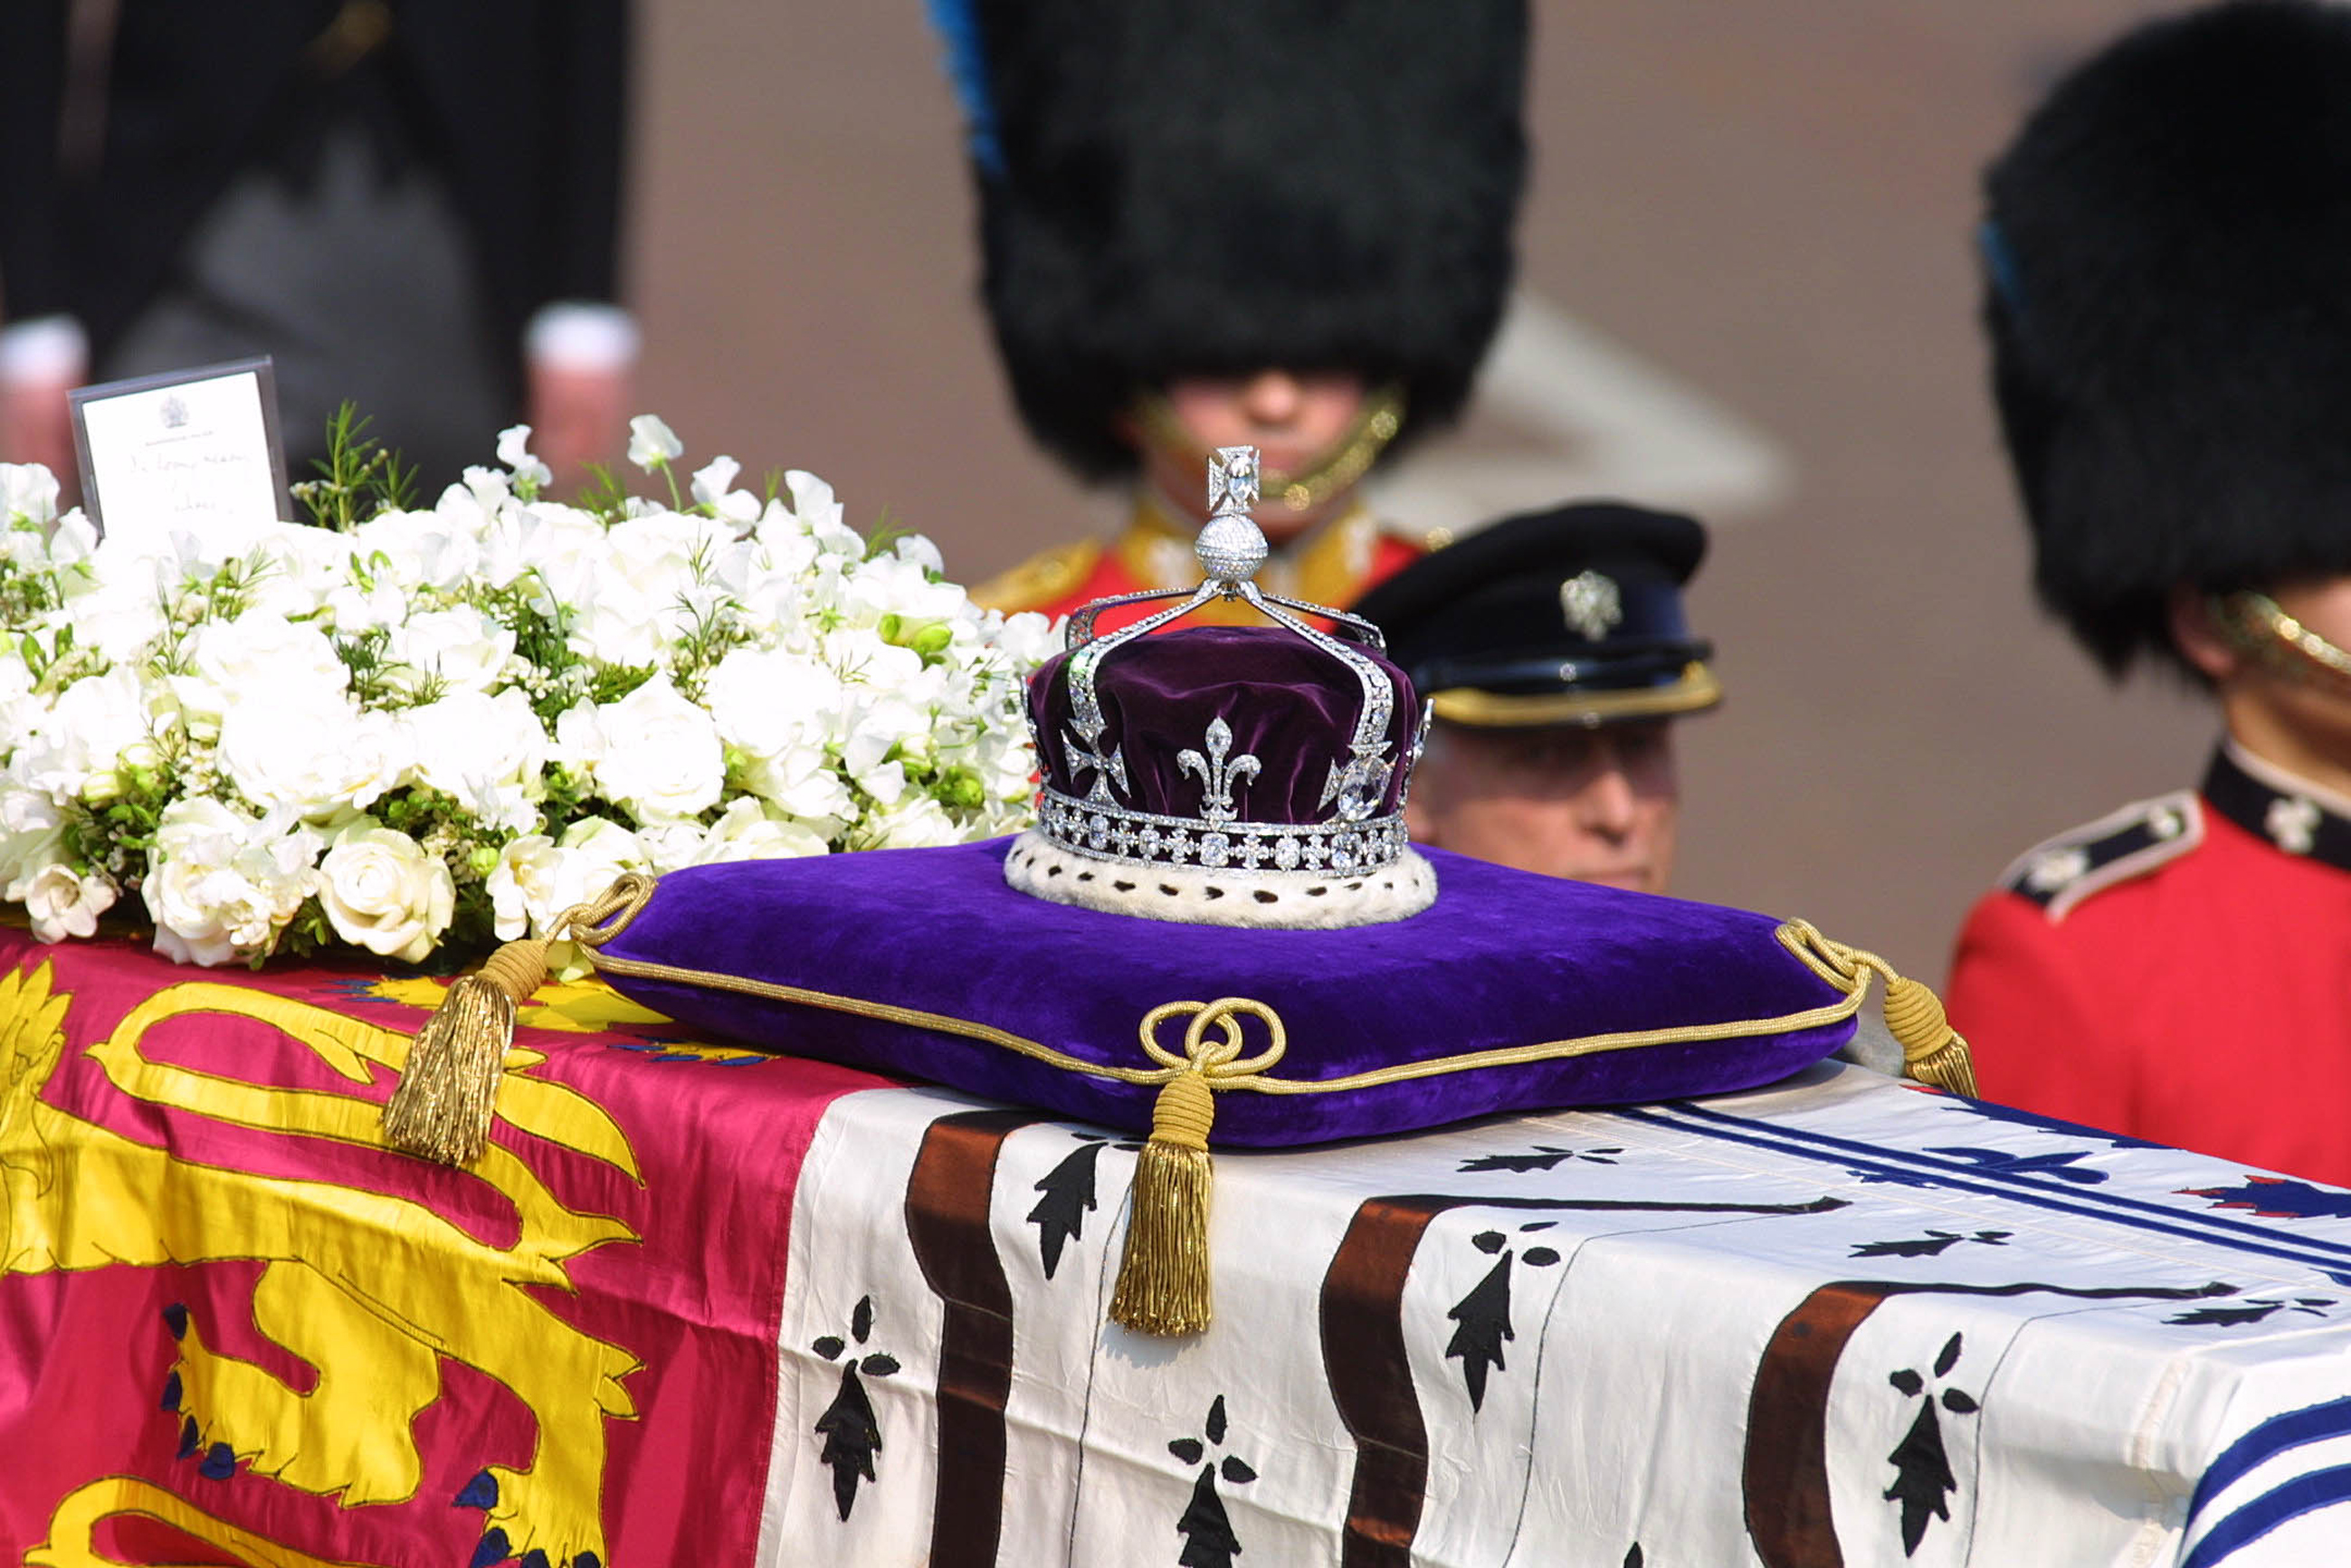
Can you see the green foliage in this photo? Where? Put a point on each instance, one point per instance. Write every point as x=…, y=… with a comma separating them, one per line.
x=358, y=477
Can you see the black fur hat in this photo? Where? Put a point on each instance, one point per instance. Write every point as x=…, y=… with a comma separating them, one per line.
x=2168, y=260
x=1173, y=187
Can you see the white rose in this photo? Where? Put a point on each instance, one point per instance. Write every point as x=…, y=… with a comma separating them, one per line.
x=661, y=753
x=64, y=903
x=259, y=656
x=487, y=752
x=464, y=648
x=916, y=821
x=381, y=892
x=312, y=760
x=84, y=735
x=651, y=443
x=221, y=885
x=768, y=700
x=745, y=831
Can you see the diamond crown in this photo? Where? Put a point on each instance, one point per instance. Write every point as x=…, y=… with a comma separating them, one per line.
x=1352, y=832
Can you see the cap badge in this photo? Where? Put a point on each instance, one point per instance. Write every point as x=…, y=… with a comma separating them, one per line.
x=1592, y=603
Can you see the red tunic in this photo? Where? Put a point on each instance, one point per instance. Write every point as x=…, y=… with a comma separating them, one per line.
x=2193, y=989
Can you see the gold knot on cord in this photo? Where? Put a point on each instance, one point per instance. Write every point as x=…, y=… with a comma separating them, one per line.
x=1164, y=1285
x=1933, y=1052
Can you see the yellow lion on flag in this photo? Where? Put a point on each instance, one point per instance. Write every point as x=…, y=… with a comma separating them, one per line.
x=368, y=1287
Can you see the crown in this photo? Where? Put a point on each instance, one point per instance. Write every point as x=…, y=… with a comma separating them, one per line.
x=1224, y=774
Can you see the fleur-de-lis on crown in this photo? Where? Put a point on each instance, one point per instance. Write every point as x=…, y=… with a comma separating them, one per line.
x=1217, y=776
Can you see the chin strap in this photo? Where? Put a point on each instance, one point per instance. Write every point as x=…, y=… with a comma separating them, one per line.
x=1336, y=468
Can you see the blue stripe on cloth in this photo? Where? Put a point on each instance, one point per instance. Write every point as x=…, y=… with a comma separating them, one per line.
x=2303, y=1494
x=2312, y=1423
x=1958, y=1177
x=2335, y=1254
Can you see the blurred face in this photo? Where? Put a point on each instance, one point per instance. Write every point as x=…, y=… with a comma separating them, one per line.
x=1292, y=418
x=1596, y=805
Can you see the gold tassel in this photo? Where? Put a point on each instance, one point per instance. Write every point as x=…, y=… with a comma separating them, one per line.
x=1163, y=1278
x=448, y=1092
x=1933, y=1051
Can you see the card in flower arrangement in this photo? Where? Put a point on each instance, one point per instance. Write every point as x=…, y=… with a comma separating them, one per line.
x=196, y=449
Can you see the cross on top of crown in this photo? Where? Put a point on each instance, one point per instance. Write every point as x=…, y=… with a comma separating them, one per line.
x=1232, y=480
x=1232, y=547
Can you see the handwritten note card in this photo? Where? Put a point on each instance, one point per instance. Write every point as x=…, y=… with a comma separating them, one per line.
x=192, y=452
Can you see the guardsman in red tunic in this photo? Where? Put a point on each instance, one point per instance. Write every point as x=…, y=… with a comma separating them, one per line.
x=1277, y=225
x=2170, y=321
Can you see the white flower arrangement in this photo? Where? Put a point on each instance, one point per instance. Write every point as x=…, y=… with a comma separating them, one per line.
x=416, y=731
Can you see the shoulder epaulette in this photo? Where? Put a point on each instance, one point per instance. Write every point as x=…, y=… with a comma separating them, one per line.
x=2059, y=873
x=1043, y=579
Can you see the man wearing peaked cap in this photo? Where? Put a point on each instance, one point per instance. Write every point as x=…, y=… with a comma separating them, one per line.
x=1554, y=655
x=1284, y=224
x=2170, y=321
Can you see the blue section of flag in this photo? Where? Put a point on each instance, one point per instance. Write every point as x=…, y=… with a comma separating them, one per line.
x=2312, y=1423
x=1875, y=1161
x=2303, y=1494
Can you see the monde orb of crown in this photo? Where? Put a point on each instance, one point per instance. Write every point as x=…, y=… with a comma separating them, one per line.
x=1231, y=547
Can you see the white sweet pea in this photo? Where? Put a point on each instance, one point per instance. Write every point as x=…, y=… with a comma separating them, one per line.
x=381, y=892
x=651, y=443
x=29, y=491
x=63, y=902
x=530, y=475
x=714, y=486
x=221, y=885
x=661, y=753
x=538, y=878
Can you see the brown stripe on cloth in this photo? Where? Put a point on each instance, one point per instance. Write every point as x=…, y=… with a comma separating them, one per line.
x=948, y=1198
x=1363, y=1353
x=1786, y=1478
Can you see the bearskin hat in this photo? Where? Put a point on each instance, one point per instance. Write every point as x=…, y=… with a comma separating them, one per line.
x=1214, y=187
x=2168, y=252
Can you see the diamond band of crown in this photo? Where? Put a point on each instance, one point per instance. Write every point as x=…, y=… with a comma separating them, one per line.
x=1112, y=832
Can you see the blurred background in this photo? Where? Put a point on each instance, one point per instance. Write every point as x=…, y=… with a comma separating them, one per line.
x=1747, y=288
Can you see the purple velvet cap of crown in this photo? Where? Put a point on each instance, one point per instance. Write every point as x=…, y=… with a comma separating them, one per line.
x=1287, y=703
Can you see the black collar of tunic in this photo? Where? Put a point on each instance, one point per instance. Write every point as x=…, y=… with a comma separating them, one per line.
x=2299, y=823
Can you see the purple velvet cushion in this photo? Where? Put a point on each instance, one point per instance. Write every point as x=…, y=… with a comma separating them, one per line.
x=1503, y=959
